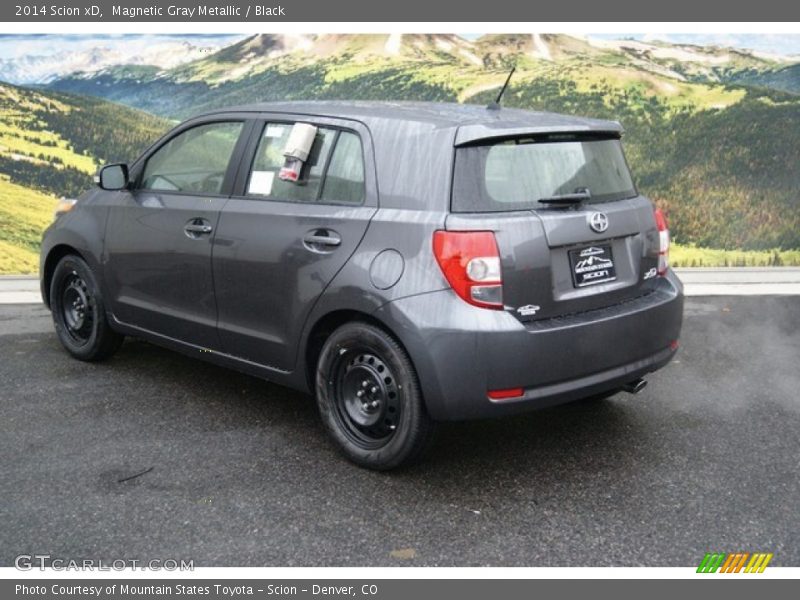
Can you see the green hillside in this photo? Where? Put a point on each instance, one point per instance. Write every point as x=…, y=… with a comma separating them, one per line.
x=712, y=134
x=50, y=146
x=24, y=213
x=54, y=142
x=726, y=176
x=719, y=155
x=420, y=66
x=786, y=79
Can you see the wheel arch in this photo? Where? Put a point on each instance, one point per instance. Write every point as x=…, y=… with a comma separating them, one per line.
x=55, y=254
x=326, y=325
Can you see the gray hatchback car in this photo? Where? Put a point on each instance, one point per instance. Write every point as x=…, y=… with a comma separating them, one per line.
x=405, y=262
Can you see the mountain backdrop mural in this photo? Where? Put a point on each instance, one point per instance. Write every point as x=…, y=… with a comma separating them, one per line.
x=712, y=133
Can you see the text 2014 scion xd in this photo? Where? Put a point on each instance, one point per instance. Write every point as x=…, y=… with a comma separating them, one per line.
x=406, y=263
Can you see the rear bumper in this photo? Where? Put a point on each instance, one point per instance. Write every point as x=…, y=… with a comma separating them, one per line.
x=461, y=352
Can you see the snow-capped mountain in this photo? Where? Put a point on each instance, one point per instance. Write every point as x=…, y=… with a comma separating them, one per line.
x=46, y=67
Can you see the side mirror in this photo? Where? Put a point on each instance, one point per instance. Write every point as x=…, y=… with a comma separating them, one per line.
x=113, y=177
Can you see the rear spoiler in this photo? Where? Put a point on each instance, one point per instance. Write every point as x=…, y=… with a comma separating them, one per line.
x=471, y=134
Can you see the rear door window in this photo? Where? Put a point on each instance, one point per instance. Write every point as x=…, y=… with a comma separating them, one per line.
x=514, y=174
x=264, y=181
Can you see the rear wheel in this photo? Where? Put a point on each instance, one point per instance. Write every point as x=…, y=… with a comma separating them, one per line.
x=369, y=398
x=79, y=312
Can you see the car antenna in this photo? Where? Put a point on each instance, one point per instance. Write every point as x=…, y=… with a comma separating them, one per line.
x=496, y=104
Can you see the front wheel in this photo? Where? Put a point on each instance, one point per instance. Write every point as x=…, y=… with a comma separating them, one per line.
x=79, y=313
x=369, y=398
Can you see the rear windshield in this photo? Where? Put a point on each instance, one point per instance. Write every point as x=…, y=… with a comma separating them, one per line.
x=515, y=174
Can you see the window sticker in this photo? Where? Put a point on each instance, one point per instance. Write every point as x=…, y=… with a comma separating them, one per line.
x=274, y=131
x=261, y=183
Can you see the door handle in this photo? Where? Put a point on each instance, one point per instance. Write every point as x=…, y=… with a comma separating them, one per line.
x=197, y=227
x=322, y=237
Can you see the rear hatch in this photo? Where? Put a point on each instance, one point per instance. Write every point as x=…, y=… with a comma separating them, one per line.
x=572, y=232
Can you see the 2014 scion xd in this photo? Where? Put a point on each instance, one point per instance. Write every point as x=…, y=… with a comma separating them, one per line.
x=406, y=263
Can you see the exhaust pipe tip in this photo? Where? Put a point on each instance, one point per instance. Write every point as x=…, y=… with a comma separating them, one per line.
x=635, y=386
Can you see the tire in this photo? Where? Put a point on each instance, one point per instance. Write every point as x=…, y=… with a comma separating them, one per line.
x=79, y=312
x=369, y=398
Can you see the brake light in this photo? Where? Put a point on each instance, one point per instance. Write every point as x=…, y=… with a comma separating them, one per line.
x=470, y=262
x=663, y=242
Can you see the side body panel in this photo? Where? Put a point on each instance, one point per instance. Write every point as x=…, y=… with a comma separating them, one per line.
x=158, y=277
x=267, y=276
x=395, y=259
x=82, y=229
x=157, y=271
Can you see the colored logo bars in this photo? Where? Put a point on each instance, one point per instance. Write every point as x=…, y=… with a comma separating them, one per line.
x=734, y=563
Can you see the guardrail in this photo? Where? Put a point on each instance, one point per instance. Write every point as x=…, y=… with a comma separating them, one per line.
x=701, y=281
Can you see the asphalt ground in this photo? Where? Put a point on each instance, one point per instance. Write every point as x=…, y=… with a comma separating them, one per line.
x=234, y=471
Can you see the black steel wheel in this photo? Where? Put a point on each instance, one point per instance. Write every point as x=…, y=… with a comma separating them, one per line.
x=79, y=312
x=366, y=397
x=78, y=308
x=369, y=398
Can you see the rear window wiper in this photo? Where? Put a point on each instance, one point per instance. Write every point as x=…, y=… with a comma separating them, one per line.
x=578, y=196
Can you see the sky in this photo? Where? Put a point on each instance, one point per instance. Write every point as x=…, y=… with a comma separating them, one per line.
x=13, y=46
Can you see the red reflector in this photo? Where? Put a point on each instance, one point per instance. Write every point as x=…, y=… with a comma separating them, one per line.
x=661, y=220
x=663, y=242
x=673, y=345
x=504, y=394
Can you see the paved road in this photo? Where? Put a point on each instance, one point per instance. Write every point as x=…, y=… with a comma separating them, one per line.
x=728, y=281
x=706, y=458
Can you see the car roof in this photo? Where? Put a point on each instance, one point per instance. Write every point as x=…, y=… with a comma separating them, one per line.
x=473, y=121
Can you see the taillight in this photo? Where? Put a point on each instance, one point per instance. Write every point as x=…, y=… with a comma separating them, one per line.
x=663, y=242
x=470, y=262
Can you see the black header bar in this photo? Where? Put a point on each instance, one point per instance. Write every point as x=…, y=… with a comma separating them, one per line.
x=446, y=12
